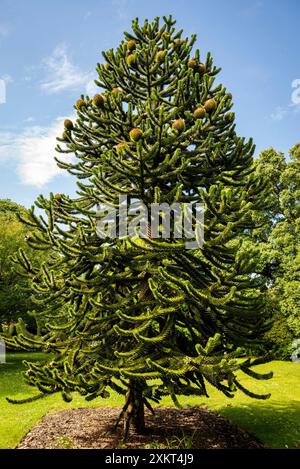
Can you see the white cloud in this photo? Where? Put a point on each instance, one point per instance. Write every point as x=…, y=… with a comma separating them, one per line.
x=91, y=88
x=29, y=72
x=295, y=97
x=279, y=113
x=7, y=78
x=7, y=143
x=34, y=151
x=61, y=74
x=293, y=107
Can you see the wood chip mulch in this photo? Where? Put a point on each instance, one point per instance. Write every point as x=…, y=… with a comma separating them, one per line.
x=88, y=428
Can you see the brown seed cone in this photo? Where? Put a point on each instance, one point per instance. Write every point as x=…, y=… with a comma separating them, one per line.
x=178, y=43
x=68, y=124
x=229, y=116
x=98, y=100
x=192, y=63
x=116, y=91
x=80, y=103
x=131, y=60
x=179, y=125
x=135, y=134
x=201, y=69
x=160, y=56
x=121, y=147
x=210, y=105
x=199, y=113
x=58, y=198
x=131, y=45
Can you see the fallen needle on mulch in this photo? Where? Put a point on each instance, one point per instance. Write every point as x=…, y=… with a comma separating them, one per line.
x=88, y=428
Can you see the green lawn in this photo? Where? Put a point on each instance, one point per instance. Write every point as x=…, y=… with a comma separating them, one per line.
x=276, y=421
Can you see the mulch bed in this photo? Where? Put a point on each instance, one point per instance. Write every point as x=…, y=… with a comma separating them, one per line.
x=87, y=428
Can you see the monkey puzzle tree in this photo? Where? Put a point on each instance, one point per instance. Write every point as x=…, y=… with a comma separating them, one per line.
x=141, y=316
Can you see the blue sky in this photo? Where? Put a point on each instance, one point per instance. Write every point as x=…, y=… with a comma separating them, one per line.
x=49, y=51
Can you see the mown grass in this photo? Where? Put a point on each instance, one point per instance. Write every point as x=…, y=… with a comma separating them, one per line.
x=276, y=422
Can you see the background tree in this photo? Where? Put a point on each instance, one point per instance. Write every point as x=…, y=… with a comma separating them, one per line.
x=14, y=292
x=275, y=245
x=146, y=317
x=286, y=238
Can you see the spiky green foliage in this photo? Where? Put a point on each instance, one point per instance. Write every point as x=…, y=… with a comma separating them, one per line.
x=146, y=314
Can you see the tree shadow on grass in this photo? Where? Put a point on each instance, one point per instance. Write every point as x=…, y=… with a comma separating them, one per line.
x=11, y=379
x=275, y=423
x=14, y=361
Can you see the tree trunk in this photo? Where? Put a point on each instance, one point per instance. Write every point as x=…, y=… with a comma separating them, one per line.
x=135, y=410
